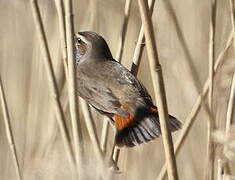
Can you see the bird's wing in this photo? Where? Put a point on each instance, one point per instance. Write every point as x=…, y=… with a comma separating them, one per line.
x=112, y=89
x=99, y=95
x=126, y=86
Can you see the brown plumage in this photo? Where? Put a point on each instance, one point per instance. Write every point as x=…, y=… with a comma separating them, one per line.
x=111, y=89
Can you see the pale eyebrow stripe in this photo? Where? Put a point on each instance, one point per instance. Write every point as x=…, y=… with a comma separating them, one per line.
x=82, y=38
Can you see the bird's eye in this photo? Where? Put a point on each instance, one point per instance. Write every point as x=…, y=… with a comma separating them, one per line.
x=79, y=40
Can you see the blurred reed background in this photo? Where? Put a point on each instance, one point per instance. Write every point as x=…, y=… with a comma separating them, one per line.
x=192, y=37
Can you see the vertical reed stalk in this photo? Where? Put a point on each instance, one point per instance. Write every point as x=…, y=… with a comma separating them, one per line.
x=122, y=38
x=52, y=81
x=61, y=19
x=232, y=14
x=9, y=132
x=231, y=102
x=230, y=110
x=121, y=41
x=159, y=90
x=93, y=135
x=140, y=44
x=76, y=127
x=91, y=129
x=211, y=123
x=118, y=58
x=104, y=135
x=191, y=117
x=116, y=154
x=220, y=169
x=60, y=11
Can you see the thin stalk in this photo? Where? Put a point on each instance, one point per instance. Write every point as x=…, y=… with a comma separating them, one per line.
x=60, y=11
x=114, y=160
x=120, y=53
x=116, y=154
x=91, y=130
x=220, y=170
x=232, y=14
x=231, y=102
x=230, y=109
x=93, y=135
x=135, y=65
x=76, y=127
x=191, y=117
x=122, y=37
x=9, y=132
x=226, y=168
x=211, y=122
x=104, y=134
x=187, y=126
x=159, y=90
x=52, y=81
x=140, y=44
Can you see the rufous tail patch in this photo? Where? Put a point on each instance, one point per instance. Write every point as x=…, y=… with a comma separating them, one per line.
x=153, y=109
x=123, y=122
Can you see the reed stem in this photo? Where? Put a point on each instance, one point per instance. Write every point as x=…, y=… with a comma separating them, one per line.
x=191, y=117
x=52, y=81
x=140, y=44
x=9, y=132
x=211, y=123
x=159, y=90
x=73, y=104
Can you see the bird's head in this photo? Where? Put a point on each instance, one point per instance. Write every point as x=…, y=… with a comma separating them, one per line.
x=89, y=46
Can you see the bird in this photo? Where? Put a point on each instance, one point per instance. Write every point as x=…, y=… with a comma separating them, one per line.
x=114, y=91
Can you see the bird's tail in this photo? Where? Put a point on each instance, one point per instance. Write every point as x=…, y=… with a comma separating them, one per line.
x=144, y=130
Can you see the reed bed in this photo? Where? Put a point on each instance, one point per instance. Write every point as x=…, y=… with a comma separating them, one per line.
x=88, y=138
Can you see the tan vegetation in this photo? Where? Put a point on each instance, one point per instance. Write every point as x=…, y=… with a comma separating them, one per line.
x=48, y=133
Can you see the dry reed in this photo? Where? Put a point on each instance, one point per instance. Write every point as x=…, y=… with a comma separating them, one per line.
x=231, y=101
x=191, y=117
x=104, y=134
x=52, y=81
x=230, y=108
x=140, y=44
x=119, y=54
x=9, y=132
x=211, y=122
x=60, y=12
x=73, y=106
x=146, y=31
x=159, y=90
x=229, y=116
x=94, y=138
x=122, y=38
x=91, y=130
x=220, y=169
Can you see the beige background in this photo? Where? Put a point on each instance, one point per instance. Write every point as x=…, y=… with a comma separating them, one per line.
x=182, y=33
